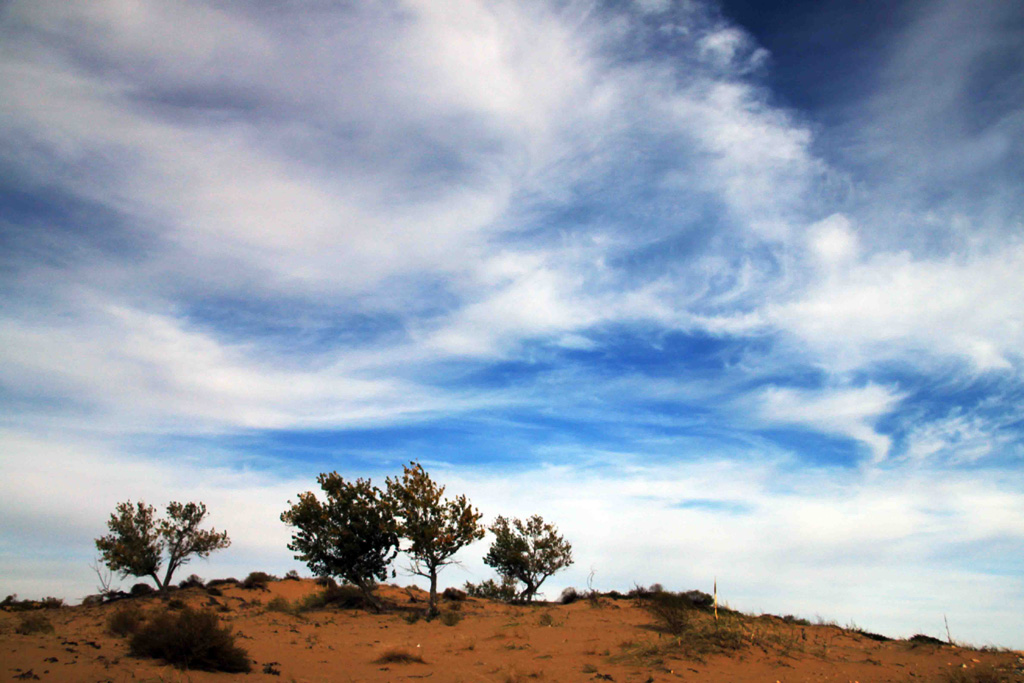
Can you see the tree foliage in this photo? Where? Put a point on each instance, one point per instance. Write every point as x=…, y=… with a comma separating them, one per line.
x=435, y=528
x=138, y=542
x=351, y=535
x=527, y=552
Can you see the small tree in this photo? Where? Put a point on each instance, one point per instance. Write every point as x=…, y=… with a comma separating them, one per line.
x=351, y=536
x=527, y=552
x=138, y=541
x=435, y=528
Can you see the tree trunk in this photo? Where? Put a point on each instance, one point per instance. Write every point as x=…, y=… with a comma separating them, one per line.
x=159, y=585
x=370, y=597
x=432, y=605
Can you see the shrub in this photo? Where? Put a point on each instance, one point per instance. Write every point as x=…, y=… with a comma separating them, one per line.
x=699, y=599
x=213, y=590
x=568, y=596
x=399, y=657
x=280, y=604
x=491, y=590
x=142, y=589
x=673, y=611
x=258, y=580
x=326, y=581
x=33, y=622
x=190, y=639
x=344, y=597
x=921, y=639
x=546, y=619
x=176, y=603
x=193, y=581
x=213, y=583
x=454, y=595
x=125, y=621
x=450, y=618
x=292, y=575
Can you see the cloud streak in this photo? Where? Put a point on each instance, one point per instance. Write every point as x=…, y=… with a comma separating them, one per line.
x=578, y=257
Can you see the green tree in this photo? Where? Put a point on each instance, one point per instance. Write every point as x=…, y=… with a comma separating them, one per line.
x=351, y=535
x=527, y=552
x=435, y=528
x=138, y=541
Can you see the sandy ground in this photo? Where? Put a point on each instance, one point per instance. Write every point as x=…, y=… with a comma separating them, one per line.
x=614, y=640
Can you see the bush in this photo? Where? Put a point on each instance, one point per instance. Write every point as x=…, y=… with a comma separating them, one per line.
x=344, y=597
x=258, y=580
x=399, y=657
x=12, y=604
x=672, y=610
x=213, y=583
x=454, y=595
x=280, y=604
x=546, y=619
x=193, y=581
x=450, y=618
x=191, y=639
x=33, y=623
x=292, y=575
x=213, y=590
x=326, y=581
x=699, y=599
x=142, y=589
x=125, y=621
x=491, y=590
x=568, y=596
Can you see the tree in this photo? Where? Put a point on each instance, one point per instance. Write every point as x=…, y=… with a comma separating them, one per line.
x=527, y=552
x=435, y=528
x=138, y=541
x=351, y=535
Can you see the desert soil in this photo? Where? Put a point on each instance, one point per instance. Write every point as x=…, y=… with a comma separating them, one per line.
x=614, y=640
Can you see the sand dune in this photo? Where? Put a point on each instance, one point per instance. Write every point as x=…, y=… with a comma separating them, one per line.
x=609, y=640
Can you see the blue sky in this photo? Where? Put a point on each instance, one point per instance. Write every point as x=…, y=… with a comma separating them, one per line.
x=725, y=291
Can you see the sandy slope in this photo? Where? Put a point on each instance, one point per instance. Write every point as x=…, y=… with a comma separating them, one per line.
x=491, y=642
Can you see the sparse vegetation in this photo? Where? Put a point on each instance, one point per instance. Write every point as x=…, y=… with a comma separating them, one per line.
x=280, y=604
x=126, y=620
x=454, y=595
x=193, y=581
x=450, y=618
x=398, y=656
x=568, y=596
x=33, y=622
x=491, y=590
x=352, y=535
x=527, y=552
x=258, y=580
x=190, y=639
x=138, y=540
x=12, y=604
x=343, y=597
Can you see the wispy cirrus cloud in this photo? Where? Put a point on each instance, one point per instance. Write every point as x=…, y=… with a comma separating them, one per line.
x=575, y=251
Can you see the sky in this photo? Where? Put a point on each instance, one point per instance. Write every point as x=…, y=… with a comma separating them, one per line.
x=728, y=292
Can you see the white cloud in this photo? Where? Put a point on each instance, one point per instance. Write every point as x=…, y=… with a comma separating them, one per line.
x=850, y=412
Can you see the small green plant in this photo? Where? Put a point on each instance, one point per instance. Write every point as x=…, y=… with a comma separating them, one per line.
x=411, y=617
x=33, y=622
x=126, y=621
x=546, y=619
x=190, y=639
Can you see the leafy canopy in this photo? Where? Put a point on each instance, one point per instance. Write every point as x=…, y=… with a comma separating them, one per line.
x=527, y=552
x=138, y=541
x=351, y=535
x=435, y=528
